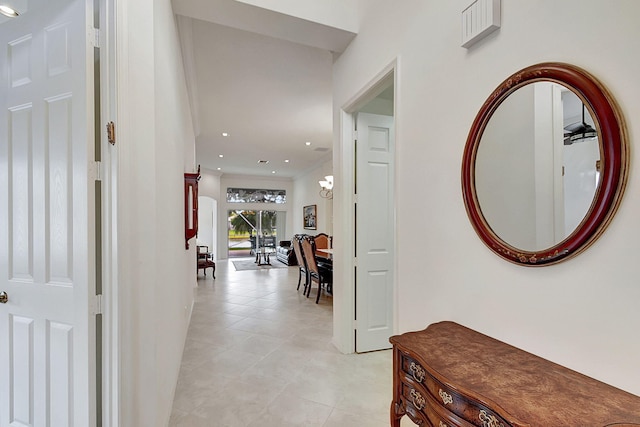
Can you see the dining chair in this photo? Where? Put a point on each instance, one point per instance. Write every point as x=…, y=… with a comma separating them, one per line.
x=322, y=241
x=322, y=276
x=302, y=262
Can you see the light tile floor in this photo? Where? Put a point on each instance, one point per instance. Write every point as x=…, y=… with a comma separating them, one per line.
x=259, y=353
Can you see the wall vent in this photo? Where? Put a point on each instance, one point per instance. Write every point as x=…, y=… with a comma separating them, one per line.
x=321, y=149
x=479, y=20
x=263, y=162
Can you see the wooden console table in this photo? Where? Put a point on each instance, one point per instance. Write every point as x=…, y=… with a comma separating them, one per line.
x=449, y=375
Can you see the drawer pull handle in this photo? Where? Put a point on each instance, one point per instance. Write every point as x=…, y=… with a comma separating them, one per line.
x=446, y=397
x=443, y=424
x=417, y=372
x=418, y=400
x=489, y=420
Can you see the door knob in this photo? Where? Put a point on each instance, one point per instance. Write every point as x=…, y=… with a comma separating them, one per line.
x=4, y=297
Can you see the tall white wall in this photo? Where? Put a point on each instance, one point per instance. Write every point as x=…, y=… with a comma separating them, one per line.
x=207, y=222
x=306, y=191
x=582, y=313
x=156, y=274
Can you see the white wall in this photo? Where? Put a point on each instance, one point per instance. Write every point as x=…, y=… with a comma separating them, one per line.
x=209, y=184
x=582, y=313
x=156, y=274
x=207, y=222
x=306, y=191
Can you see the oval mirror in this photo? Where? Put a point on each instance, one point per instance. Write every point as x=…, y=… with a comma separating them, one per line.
x=545, y=164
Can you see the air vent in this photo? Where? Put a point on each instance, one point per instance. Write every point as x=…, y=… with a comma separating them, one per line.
x=321, y=149
x=479, y=20
x=263, y=162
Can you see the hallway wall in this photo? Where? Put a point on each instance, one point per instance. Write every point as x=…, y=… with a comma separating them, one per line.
x=306, y=191
x=582, y=313
x=157, y=275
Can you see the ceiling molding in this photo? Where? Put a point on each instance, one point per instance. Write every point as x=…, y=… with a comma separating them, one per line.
x=266, y=22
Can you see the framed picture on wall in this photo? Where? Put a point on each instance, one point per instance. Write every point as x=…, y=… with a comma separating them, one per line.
x=309, y=214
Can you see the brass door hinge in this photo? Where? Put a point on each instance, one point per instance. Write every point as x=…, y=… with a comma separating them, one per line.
x=111, y=133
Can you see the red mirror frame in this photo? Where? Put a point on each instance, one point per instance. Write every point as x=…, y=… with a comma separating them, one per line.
x=614, y=162
x=191, y=205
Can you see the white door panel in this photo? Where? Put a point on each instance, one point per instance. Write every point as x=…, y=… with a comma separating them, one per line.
x=46, y=235
x=374, y=232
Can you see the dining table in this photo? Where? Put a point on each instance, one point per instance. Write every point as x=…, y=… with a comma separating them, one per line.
x=324, y=253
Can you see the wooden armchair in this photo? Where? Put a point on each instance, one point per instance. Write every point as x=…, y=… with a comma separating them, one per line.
x=205, y=260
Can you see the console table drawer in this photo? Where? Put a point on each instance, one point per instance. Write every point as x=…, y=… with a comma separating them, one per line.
x=417, y=400
x=442, y=395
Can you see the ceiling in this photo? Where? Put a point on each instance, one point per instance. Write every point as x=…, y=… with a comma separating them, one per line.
x=263, y=78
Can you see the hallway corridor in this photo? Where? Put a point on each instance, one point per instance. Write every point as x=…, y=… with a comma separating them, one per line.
x=259, y=353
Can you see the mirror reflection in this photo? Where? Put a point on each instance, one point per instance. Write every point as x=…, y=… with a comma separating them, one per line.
x=537, y=166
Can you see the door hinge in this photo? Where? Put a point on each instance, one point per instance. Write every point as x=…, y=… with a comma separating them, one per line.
x=94, y=171
x=97, y=308
x=94, y=37
x=111, y=133
x=355, y=135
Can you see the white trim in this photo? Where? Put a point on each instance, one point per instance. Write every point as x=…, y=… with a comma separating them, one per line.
x=109, y=173
x=344, y=199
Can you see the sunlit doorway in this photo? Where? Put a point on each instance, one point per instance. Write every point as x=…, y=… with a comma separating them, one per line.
x=251, y=229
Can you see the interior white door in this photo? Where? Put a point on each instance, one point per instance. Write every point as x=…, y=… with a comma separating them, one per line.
x=47, y=348
x=374, y=231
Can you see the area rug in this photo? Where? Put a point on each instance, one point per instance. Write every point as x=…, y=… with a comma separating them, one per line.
x=249, y=264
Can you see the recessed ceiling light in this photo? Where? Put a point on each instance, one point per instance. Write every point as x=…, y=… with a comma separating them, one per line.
x=286, y=161
x=225, y=134
x=219, y=169
x=307, y=143
x=273, y=171
x=221, y=155
x=8, y=11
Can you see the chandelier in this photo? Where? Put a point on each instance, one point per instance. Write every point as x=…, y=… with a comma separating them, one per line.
x=326, y=185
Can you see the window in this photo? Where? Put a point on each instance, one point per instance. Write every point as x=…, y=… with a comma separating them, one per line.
x=251, y=195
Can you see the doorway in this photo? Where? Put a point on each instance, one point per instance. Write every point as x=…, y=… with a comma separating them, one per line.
x=251, y=229
x=364, y=312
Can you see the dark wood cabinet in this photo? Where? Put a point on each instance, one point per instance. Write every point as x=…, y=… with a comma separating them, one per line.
x=191, y=206
x=451, y=376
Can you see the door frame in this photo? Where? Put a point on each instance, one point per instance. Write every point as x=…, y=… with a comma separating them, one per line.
x=344, y=199
x=110, y=384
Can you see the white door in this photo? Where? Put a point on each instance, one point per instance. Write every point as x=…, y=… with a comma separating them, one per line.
x=374, y=231
x=47, y=348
